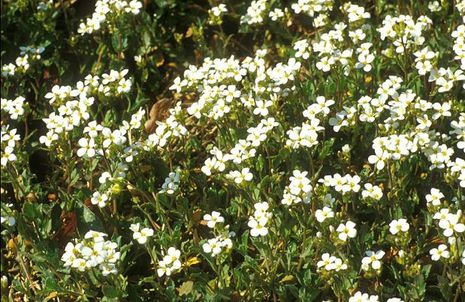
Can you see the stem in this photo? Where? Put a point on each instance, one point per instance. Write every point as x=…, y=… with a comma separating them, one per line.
x=152, y=222
x=302, y=246
x=457, y=293
x=16, y=182
x=25, y=267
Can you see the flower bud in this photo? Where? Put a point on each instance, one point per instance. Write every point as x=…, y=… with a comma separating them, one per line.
x=4, y=282
x=116, y=189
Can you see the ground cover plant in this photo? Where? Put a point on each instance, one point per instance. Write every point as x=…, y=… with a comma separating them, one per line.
x=302, y=150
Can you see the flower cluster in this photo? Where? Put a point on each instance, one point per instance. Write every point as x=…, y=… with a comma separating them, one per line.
x=92, y=252
x=331, y=263
x=27, y=56
x=424, y=60
x=336, y=139
x=255, y=12
x=450, y=222
x=171, y=183
x=9, y=139
x=306, y=135
x=403, y=31
x=354, y=12
x=216, y=245
x=14, y=108
x=73, y=106
x=299, y=189
x=222, y=240
x=311, y=7
x=343, y=184
x=170, y=128
x=170, y=263
x=107, y=10
x=258, y=222
x=372, y=260
x=141, y=235
x=216, y=13
x=243, y=150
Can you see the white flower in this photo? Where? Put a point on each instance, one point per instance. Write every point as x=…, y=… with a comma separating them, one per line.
x=258, y=227
x=95, y=236
x=11, y=221
x=8, y=155
x=398, y=225
x=346, y=230
x=372, y=259
x=299, y=182
x=141, y=235
x=434, y=6
x=364, y=61
x=87, y=147
x=171, y=183
x=329, y=263
x=323, y=214
x=378, y=158
x=441, y=251
x=213, y=219
x=434, y=197
x=352, y=183
x=170, y=262
x=104, y=177
x=49, y=138
x=99, y=199
x=276, y=14
x=134, y=7
x=359, y=297
x=259, y=220
x=326, y=259
x=371, y=191
x=92, y=129
x=215, y=245
x=262, y=107
x=325, y=64
x=212, y=246
x=240, y=176
x=79, y=264
x=451, y=224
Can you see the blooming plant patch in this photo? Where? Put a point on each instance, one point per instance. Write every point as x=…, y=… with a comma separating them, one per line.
x=302, y=150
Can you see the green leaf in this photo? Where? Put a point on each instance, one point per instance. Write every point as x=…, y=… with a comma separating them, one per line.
x=445, y=288
x=326, y=149
x=31, y=210
x=110, y=291
x=87, y=220
x=119, y=42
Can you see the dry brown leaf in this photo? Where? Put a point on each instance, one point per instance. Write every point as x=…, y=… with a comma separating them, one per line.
x=158, y=112
x=68, y=226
